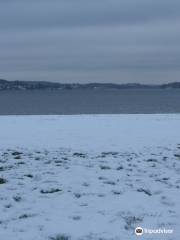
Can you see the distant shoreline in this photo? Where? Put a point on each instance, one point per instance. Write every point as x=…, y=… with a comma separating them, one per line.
x=41, y=85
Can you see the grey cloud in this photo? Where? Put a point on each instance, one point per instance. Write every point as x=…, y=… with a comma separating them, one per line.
x=45, y=13
x=97, y=40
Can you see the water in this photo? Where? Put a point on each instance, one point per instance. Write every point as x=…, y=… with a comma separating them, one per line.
x=89, y=101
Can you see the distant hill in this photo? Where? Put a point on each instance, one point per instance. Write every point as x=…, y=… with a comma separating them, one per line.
x=37, y=85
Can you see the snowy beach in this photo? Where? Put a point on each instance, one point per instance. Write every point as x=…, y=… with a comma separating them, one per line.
x=89, y=176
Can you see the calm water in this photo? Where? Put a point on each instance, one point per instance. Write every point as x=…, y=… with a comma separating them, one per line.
x=89, y=101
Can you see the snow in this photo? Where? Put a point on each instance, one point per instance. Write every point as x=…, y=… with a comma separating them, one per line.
x=89, y=176
x=90, y=132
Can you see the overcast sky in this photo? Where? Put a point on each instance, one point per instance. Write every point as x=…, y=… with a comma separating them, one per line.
x=90, y=40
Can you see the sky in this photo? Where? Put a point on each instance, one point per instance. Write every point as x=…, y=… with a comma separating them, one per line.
x=118, y=41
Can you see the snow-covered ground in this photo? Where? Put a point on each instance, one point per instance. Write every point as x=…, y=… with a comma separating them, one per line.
x=89, y=177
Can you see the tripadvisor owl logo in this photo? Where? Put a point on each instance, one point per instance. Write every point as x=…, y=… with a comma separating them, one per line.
x=139, y=231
